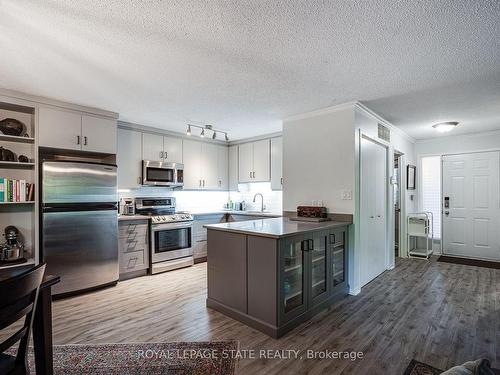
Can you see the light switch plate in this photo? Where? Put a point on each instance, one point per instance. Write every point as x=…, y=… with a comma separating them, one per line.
x=346, y=195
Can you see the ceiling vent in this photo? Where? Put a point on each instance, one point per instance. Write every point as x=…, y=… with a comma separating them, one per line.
x=384, y=133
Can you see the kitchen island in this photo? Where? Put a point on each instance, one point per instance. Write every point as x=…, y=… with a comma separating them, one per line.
x=274, y=274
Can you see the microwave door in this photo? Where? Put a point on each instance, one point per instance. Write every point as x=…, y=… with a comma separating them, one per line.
x=159, y=176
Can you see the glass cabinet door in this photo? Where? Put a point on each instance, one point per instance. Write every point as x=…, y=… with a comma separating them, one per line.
x=318, y=256
x=337, y=243
x=293, y=274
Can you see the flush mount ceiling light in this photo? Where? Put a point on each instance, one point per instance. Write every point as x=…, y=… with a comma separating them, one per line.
x=444, y=127
x=208, y=128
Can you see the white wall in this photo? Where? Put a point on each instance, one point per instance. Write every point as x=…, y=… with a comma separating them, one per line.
x=453, y=144
x=318, y=160
x=400, y=142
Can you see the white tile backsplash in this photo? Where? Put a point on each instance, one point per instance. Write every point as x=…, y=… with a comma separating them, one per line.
x=206, y=201
x=273, y=200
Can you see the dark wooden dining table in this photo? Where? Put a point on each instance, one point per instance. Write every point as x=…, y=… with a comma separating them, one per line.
x=42, y=324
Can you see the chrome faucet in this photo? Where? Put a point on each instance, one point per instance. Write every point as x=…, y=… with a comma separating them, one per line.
x=261, y=202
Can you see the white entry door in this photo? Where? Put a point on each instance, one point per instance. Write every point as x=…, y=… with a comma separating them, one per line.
x=373, y=209
x=471, y=205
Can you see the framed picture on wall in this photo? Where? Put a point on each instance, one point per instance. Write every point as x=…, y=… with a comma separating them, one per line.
x=411, y=172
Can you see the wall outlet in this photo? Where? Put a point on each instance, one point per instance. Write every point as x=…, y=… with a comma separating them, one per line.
x=346, y=195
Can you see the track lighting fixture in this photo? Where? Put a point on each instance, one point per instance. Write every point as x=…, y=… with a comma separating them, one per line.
x=209, y=128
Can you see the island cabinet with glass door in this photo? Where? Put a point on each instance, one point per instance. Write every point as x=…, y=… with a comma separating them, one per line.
x=276, y=281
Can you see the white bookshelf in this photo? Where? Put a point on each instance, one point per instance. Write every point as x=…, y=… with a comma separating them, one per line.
x=22, y=215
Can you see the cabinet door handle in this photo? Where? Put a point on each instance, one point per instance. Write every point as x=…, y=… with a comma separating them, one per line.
x=281, y=180
x=139, y=180
x=165, y=155
x=200, y=183
x=77, y=139
x=310, y=244
x=302, y=246
x=161, y=154
x=332, y=238
x=220, y=183
x=203, y=183
x=250, y=174
x=85, y=141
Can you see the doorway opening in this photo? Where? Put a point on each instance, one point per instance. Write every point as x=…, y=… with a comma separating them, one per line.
x=397, y=165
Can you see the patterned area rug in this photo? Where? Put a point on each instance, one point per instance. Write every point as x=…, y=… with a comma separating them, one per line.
x=419, y=368
x=183, y=358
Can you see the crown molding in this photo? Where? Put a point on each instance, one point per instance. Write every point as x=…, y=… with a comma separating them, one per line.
x=319, y=112
x=34, y=99
x=151, y=130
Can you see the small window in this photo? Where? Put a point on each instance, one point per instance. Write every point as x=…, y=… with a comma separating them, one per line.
x=430, y=195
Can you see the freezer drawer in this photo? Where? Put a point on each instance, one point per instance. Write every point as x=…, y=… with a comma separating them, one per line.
x=81, y=247
x=74, y=182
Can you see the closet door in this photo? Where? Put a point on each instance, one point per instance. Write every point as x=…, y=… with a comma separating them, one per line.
x=373, y=203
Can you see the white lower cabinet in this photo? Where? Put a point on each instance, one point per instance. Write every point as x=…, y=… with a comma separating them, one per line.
x=129, y=159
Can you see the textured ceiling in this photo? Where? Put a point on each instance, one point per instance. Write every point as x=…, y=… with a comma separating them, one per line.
x=244, y=65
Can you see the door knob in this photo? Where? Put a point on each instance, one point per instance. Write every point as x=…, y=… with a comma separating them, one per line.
x=447, y=213
x=371, y=217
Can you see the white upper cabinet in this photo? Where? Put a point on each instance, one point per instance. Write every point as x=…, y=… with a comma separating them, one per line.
x=277, y=163
x=223, y=167
x=191, y=155
x=129, y=158
x=59, y=129
x=254, y=161
x=233, y=168
x=98, y=134
x=261, y=161
x=172, y=149
x=245, y=162
x=152, y=147
x=205, y=166
x=161, y=148
x=209, y=169
x=76, y=131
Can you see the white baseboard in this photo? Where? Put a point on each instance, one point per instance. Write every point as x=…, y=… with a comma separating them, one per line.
x=354, y=291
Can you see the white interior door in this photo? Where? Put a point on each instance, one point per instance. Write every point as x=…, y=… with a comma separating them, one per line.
x=471, y=216
x=373, y=209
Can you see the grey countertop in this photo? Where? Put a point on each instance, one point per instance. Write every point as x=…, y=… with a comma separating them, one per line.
x=233, y=212
x=274, y=227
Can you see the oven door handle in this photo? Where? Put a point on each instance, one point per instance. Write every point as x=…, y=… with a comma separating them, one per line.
x=170, y=226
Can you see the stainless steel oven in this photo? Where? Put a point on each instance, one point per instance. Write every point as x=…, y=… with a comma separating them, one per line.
x=171, y=246
x=159, y=173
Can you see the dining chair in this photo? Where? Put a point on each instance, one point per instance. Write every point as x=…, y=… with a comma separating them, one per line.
x=18, y=296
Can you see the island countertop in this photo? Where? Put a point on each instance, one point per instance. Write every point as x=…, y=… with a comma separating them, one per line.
x=274, y=227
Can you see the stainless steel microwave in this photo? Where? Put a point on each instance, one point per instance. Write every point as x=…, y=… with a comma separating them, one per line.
x=160, y=173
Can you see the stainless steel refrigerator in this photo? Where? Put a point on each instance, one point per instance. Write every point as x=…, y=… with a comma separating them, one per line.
x=79, y=224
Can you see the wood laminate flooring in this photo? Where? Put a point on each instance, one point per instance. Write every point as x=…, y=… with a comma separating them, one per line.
x=439, y=313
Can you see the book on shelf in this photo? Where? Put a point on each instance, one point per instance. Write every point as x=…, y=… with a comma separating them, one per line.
x=16, y=190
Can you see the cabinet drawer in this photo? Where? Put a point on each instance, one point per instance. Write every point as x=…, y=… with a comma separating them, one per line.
x=127, y=245
x=200, y=248
x=133, y=261
x=132, y=229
